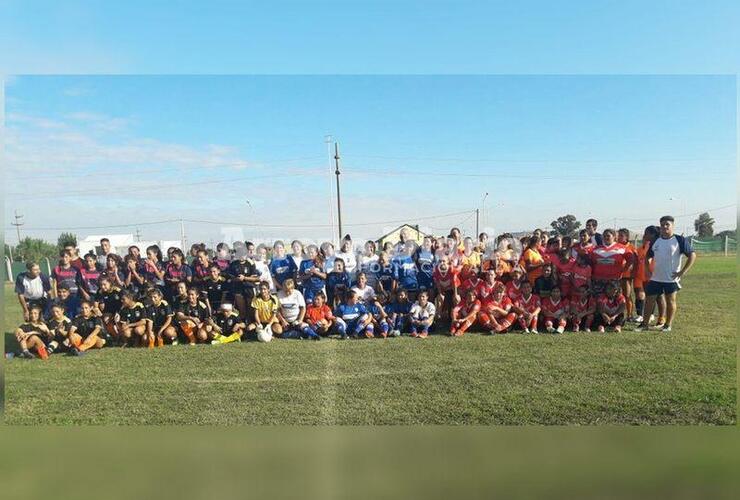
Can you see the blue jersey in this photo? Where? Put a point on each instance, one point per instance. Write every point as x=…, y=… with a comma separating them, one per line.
x=399, y=308
x=313, y=285
x=335, y=279
x=374, y=309
x=405, y=272
x=350, y=313
x=282, y=269
x=425, y=262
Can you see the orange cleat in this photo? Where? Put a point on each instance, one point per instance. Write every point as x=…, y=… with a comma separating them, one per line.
x=41, y=350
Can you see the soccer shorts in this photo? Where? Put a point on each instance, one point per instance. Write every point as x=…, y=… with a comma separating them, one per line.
x=660, y=288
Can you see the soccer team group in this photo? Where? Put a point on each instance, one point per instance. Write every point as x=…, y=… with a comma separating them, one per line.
x=448, y=284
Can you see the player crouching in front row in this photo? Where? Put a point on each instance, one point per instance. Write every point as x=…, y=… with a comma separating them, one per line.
x=224, y=326
x=528, y=307
x=496, y=314
x=465, y=314
x=422, y=316
x=159, y=320
x=555, y=310
x=611, y=308
x=131, y=321
x=583, y=308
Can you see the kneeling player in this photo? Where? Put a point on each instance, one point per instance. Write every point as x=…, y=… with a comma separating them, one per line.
x=528, y=308
x=465, y=314
x=318, y=315
x=224, y=326
x=582, y=309
x=192, y=318
x=159, y=320
x=265, y=307
x=352, y=318
x=610, y=308
x=422, y=316
x=496, y=313
x=131, y=321
x=85, y=331
x=31, y=335
x=555, y=310
x=379, y=317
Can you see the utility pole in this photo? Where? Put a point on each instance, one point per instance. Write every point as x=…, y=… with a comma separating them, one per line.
x=138, y=235
x=477, y=222
x=18, y=224
x=328, y=141
x=339, y=199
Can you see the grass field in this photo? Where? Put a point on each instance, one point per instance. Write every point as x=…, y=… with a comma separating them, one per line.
x=685, y=377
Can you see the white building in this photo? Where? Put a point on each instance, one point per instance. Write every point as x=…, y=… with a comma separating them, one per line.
x=120, y=243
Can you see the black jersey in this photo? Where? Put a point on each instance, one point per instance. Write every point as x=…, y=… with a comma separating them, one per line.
x=85, y=326
x=226, y=322
x=132, y=314
x=159, y=314
x=199, y=310
x=31, y=327
x=110, y=300
x=179, y=304
x=59, y=328
x=215, y=290
x=247, y=268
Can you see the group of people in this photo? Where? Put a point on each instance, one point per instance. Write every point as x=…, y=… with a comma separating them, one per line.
x=449, y=284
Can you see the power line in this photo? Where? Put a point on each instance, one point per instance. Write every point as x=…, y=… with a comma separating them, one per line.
x=682, y=215
x=543, y=160
x=128, y=170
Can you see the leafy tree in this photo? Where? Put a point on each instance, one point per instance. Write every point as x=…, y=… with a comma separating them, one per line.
x=66, y=239
x=35, y=249
x=567, y=225
x=704, y=225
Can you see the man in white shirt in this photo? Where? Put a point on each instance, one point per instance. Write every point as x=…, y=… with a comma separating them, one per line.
x=665, y=279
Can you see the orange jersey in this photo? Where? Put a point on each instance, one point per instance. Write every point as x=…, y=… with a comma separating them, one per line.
x=530, y=257
x=630, y=260
x=315, y=314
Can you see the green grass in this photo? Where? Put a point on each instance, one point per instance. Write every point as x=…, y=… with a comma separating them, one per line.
x=686, y=377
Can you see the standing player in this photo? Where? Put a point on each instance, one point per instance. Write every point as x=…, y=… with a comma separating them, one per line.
x=384, y=275
x=608, y=262
x=337, y=283
x=611, y=307
x=89, y=277
x=555, y=310
x=564, y=265
x=153, y=267
x=465, y=314
x=107, y=307
x=32, y=288
x=347, y=254
x=244, y=278
x=311, y=273
x=584, y=245
x=65, y=273
x=368, y=263
x=262, y=263
x=404, y=269
x=176, y=271
x=650, y=234
x=422, y=316
x=215, y=287
x=627, y=277
x=425, y=261
x=281, y=267
x=531, y=260
x=447, y=281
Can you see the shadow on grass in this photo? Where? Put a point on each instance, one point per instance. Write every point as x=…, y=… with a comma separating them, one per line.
x=11, y=345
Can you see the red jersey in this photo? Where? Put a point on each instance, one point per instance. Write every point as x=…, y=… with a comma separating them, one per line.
x=580, y=276
x=530, y=305
x=579, y=306
x=550, y=308
x=315, y=314
x=608, y=262
x=586, y=249
x=504, y=304
x=565, y=274
x=464, y=309
x=446, y=281
x=484, y=291
x=514, y=290
x=470, y=284
x=611, y=306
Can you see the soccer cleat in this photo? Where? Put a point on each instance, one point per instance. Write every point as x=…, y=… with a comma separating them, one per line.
x=423, y=335
x=395, y=333
x=638, y=319
x=640, y=328
x=617, y=328
x=175, y=342
x=560, y=329
x=526, y=330
x=26, y=354
x=534, y=331
x=369, y=335
x=601, y=329
x=160, y=342
x=550, y=329
x=666, y=329
x=658, y=326
x=150, y=343
x=587, y=330
x=413, y=334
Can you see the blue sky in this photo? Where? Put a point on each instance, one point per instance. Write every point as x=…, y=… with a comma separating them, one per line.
x=541, y=146
x=612, y=147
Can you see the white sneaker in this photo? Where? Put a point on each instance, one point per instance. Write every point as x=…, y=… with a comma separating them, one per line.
x=652, y=318
x=587, y=330
x=666, y=329
x=638, y=319
x=534, y=331
x=550, y=329
x=560, y=329
x=526, y=330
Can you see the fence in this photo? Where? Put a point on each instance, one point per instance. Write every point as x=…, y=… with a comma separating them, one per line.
x=724, y=246
x=13, y=269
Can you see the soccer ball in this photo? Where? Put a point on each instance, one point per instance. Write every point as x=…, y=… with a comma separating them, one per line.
x=264, y=334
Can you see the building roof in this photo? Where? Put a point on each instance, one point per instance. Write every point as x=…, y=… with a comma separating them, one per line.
x=414, y=227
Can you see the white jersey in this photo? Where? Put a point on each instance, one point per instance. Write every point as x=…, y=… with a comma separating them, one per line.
x=350, y=261
x=290, y=304
x=365, y=295
x=666, y=254
x=368, y=264
x=423, y=313
x=264, y=269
